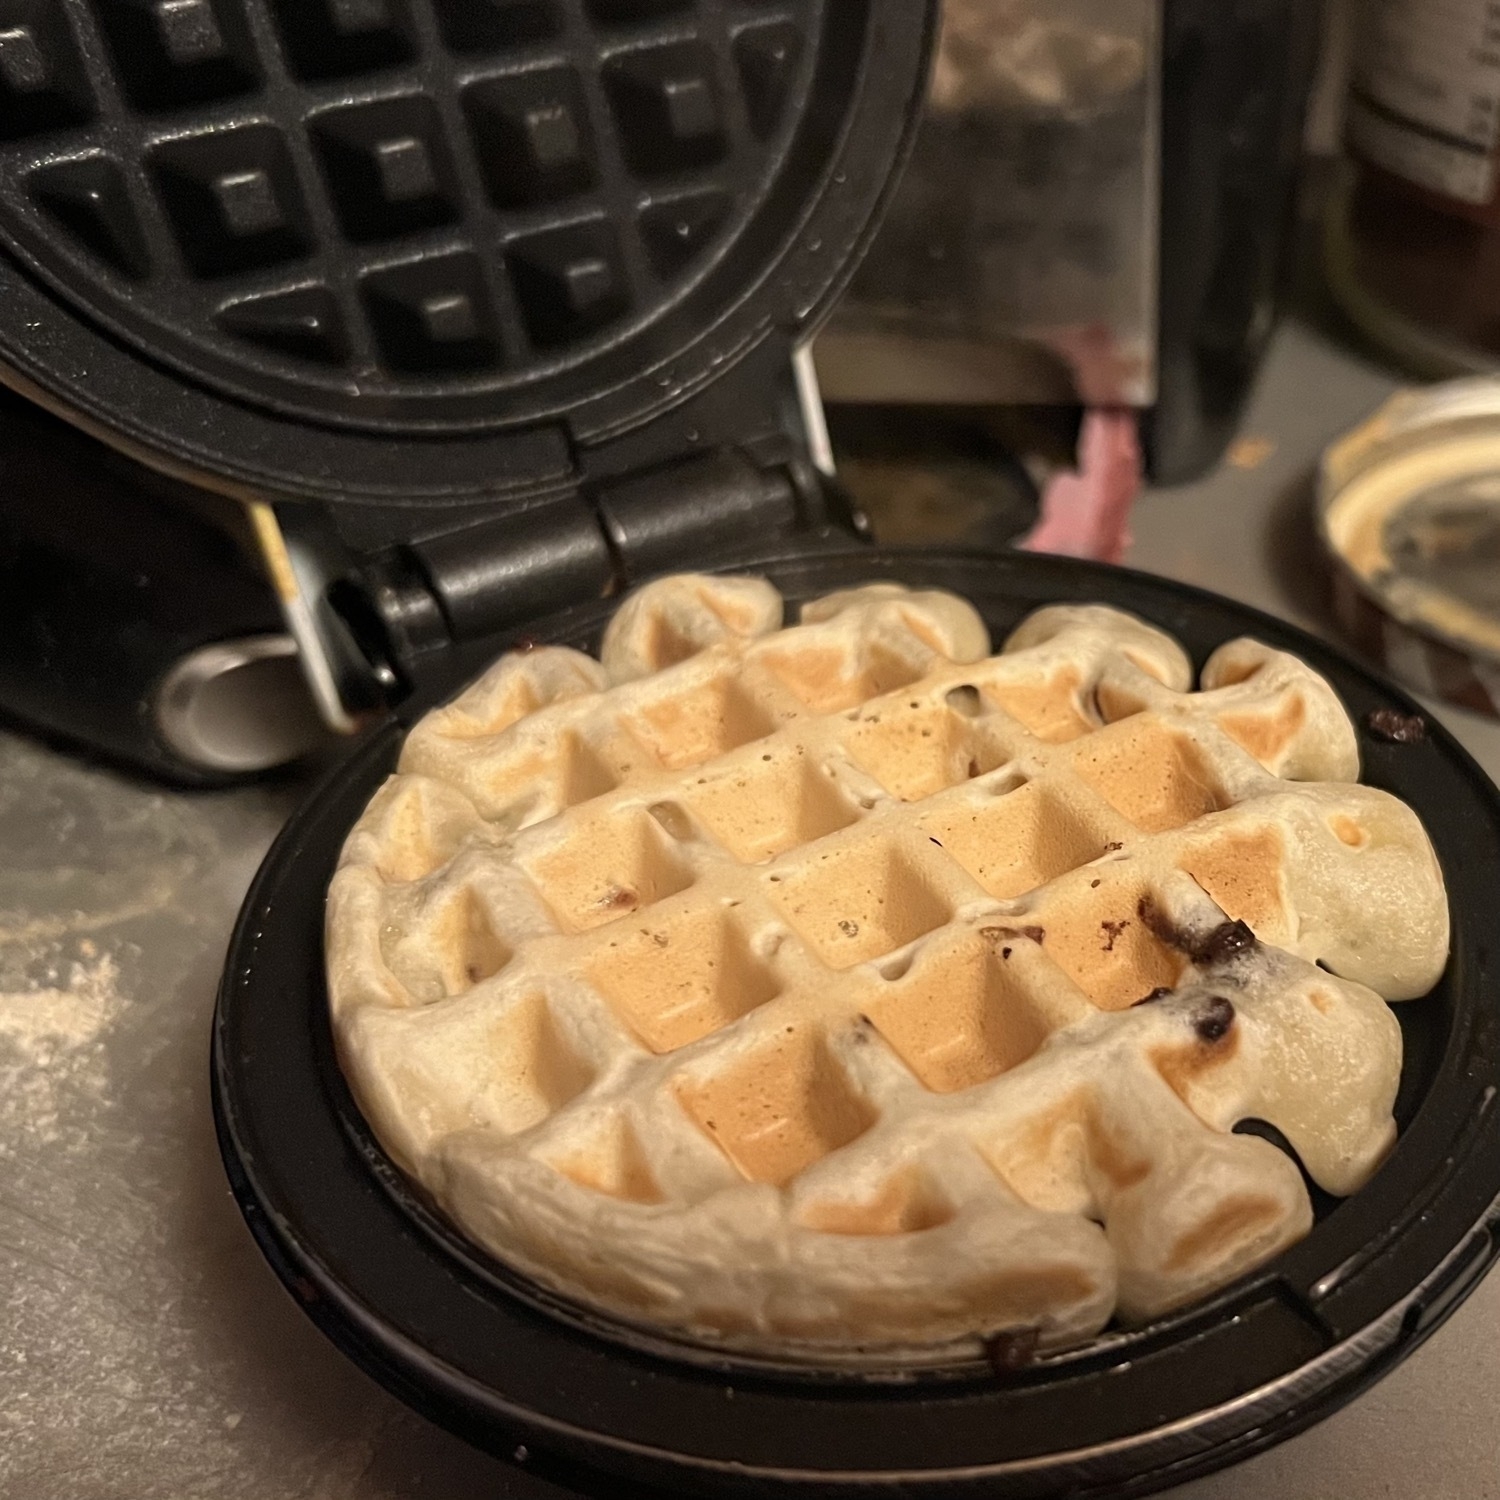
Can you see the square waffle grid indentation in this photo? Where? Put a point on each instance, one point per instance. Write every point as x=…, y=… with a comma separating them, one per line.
x=610, y=1158
x=686, y=729
x=608, y=864
x=768, y=803
x=917, y=748
x=1149, y=773
x=1013, y=838
x=970, y=1008
x=533, y=1069
x=859, y=898
x=447, y=947
x=780, y=1107
x=515, y=178
x=547, y=1071
x=681, y=975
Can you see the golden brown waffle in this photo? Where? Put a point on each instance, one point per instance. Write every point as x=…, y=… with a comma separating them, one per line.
x=842, y=987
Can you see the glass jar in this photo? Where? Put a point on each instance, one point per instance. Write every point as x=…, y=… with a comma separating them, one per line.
x=1413, y=237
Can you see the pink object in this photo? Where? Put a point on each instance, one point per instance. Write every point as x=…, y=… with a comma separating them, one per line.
x=1087, y=513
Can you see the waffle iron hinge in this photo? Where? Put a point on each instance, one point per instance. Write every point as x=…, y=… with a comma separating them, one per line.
x=385, y=613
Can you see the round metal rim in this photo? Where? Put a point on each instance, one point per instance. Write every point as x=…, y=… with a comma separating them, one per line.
x=1405, y=635
x=1309, y=1331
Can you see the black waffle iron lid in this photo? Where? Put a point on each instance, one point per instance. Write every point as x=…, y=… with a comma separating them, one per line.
x=420, y=249
x=443, y=269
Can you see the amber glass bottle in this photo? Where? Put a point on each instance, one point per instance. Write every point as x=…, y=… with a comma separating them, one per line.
x=1414, y=239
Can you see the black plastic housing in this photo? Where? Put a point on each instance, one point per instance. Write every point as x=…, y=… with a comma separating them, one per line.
x=110, y=575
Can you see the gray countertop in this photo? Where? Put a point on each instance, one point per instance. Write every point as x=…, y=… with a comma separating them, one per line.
x=145, y=1348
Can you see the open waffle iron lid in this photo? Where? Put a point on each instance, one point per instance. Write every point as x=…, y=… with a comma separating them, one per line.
x=431, y=252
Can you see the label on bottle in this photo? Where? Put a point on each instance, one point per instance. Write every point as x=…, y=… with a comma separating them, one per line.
x=1425, y=100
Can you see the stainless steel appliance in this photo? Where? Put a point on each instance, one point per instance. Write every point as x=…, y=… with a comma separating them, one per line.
x=1094, y=212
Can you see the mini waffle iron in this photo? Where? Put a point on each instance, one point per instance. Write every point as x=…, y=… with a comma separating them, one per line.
x=485, y=308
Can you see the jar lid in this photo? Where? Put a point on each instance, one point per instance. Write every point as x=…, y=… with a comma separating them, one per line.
x=1409, y=508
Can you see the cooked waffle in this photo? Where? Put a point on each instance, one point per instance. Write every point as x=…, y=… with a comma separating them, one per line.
x=844, y=987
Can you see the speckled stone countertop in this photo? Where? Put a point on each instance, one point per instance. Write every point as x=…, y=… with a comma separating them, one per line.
x=147, y=1351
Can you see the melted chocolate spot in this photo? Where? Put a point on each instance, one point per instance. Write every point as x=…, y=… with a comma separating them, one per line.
x=1012, y=1350
x=1227, y=941
x=1219, y=945
x=1395, y=727
x=1212, y=1023
x=1159, y=924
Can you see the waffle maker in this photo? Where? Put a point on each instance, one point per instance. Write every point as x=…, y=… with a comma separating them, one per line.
x=484, y=309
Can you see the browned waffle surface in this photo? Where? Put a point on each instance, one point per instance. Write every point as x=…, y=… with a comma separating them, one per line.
x=843, y=986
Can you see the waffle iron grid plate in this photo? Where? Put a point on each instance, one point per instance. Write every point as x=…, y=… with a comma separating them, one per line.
x=388, y=211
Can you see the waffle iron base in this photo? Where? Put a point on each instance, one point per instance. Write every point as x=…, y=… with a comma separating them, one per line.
x=607, y=1410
